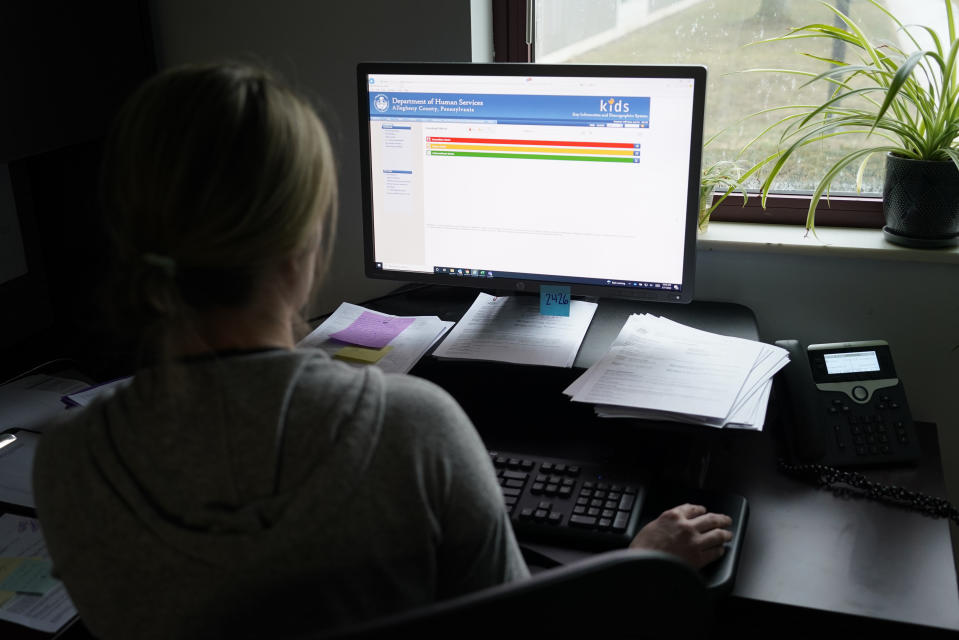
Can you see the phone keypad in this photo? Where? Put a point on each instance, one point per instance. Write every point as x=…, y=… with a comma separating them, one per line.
x=873, y=429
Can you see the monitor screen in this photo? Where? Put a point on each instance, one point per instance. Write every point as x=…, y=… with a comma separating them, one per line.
x=509, y=176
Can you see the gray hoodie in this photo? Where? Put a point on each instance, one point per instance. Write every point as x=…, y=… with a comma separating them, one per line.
x=278, y=490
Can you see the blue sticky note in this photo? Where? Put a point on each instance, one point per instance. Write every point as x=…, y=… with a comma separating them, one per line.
x=553, y=300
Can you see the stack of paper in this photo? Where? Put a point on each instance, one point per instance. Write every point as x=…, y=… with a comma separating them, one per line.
x=511, y=329
x=16, y=469
x=35, y=400
x=659, y=369
x=88, y=395
x=39, y=603
x=360, y=336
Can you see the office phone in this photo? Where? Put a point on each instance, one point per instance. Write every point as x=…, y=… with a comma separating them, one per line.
x=843, y=405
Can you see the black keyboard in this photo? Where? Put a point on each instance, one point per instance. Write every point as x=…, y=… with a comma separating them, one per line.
x=578, y=504
x=572, y=502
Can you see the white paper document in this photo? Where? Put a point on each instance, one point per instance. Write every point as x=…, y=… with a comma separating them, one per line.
x=511, y=329
x=16, y=469
x=32, y=401
x=659, y=369
x=20, y=537
x=86, y=396
x=407, y=348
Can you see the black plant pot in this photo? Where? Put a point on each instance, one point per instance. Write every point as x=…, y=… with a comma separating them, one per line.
x=920, y=199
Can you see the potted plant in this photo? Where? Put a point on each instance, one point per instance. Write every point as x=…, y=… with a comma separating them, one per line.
x=722, y=175
x=907, y=104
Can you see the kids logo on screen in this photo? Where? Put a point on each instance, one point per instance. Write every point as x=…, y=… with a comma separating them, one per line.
x=613, y=105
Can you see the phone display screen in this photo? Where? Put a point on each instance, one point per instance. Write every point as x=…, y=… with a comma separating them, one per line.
x=851, y=362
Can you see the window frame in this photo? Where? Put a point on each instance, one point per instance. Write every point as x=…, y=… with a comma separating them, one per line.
x=510, y=20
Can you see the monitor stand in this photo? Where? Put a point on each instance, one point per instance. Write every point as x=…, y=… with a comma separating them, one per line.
x=450, y=303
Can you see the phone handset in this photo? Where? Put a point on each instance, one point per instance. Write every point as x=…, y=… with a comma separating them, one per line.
x=799, y=404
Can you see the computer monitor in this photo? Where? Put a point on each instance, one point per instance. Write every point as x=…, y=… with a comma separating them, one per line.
x=512, y=176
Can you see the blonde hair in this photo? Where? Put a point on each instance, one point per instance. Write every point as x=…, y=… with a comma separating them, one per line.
x=211, y=173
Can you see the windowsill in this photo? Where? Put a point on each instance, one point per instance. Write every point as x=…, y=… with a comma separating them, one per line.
x=828, y=241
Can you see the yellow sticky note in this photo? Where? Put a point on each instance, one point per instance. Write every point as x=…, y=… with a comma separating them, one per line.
x=8, y=565
x=362, y=354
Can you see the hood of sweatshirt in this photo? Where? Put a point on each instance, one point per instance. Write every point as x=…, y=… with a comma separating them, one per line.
x=218, y=454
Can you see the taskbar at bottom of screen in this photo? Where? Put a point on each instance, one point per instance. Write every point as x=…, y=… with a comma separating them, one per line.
x=464, y=272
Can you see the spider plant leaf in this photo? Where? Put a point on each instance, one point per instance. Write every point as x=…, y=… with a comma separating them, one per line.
x=953, y=155
x=832, y=61
x=772, y=70
x=825, y=31
x=901, y=27
x=814, y=30
x=836, y=72
x=725, y=174
x=857, y=37
x=951, y=20
x=861, y=171
x=932, y=34
x=898, y=80
x=783, y=155
x=828, y=177
x=949, y=74
x=828, y=107
x=729, y=190
x=938, y=59
x=765, y=131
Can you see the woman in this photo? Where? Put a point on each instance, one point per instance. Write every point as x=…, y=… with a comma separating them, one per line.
x=238, y=479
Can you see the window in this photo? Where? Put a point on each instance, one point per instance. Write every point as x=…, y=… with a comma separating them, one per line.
x=716, y=33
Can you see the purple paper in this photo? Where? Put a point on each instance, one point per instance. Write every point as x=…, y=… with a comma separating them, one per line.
x=372, y=330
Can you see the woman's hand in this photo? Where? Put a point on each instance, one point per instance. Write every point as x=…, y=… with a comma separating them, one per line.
x=688, y=531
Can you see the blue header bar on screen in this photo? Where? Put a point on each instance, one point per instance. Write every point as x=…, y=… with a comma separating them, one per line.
x=589, y=111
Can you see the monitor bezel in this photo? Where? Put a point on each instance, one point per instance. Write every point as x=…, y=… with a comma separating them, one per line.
x=697, y=73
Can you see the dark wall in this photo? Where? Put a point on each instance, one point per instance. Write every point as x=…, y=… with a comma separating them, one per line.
x=315, y=46
x=65, y=67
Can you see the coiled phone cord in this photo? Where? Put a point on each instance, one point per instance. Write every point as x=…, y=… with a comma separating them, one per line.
x=853, y=484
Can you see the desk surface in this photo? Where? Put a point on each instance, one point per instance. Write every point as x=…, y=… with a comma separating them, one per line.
x=809, y=548
x=803, y=548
